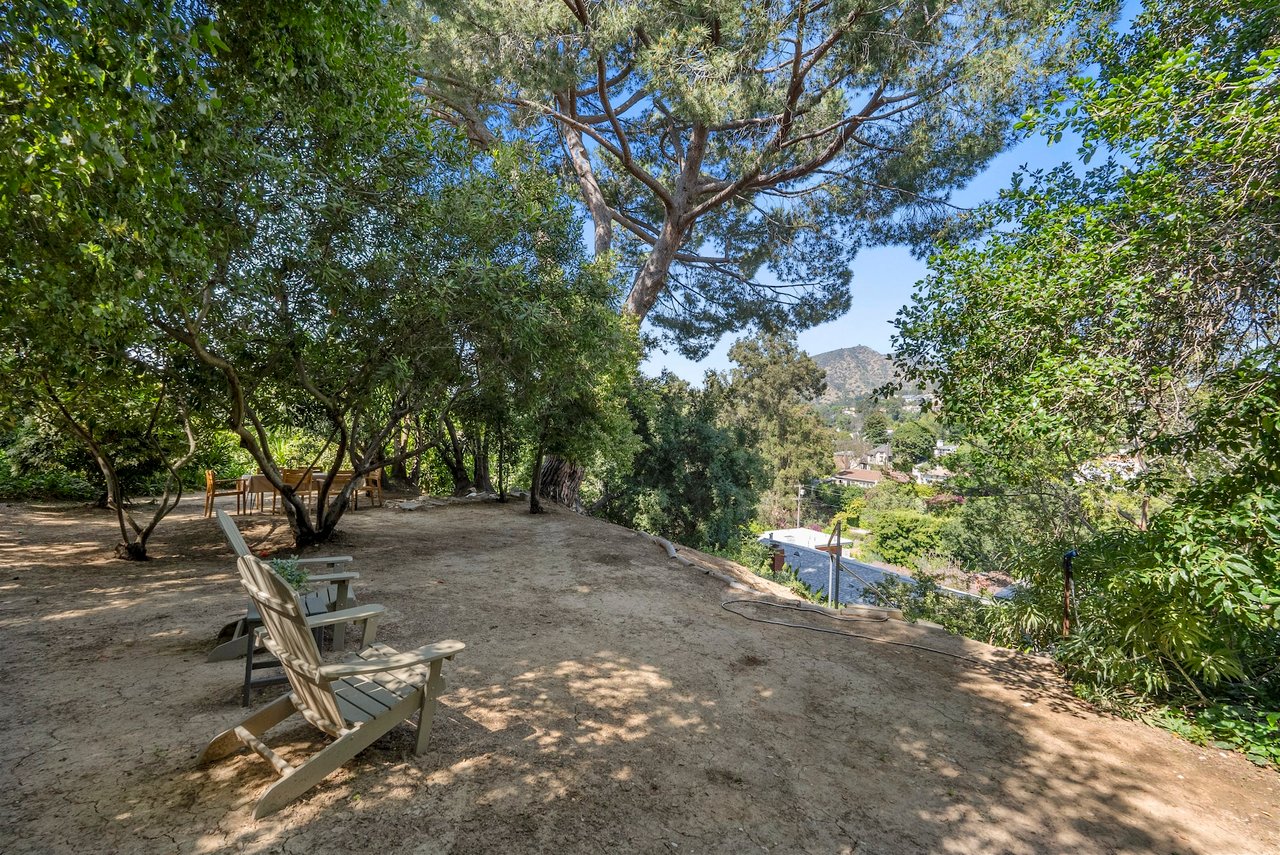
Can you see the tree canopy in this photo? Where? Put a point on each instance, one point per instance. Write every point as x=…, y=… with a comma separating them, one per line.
x=770, y=391
x=1109, y=340
x=252, y=209
x=734, y=157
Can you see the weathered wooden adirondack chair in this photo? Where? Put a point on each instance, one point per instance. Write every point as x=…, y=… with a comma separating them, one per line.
x=334, y=593
x=355, y=702
x=333, y=597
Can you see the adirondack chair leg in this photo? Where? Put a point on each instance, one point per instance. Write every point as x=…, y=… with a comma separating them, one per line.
x=258, y=723
x=370, y=631
x=433, y=690
x=332, y=757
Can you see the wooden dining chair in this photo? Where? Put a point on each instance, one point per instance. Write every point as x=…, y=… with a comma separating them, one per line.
x=340, y=480
x=302, y=480
x=372, y=487
x=215, y=487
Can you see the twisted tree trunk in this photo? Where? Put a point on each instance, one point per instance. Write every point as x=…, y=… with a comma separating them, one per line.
x=560, y=481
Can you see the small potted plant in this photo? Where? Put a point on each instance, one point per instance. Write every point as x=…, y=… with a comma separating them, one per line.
x=290, y=571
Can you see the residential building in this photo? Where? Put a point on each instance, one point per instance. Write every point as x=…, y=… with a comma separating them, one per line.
x=858, y=477
x=878, y=456
x=930, y=475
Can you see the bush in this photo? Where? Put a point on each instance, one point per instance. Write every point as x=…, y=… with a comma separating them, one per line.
x=220, y=451
x=48, y=482
x=903, y=537
x=922, y=599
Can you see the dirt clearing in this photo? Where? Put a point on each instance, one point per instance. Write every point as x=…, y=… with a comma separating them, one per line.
x=605, y=703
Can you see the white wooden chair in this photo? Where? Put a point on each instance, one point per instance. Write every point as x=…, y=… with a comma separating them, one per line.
x=333, y=595
x=355, y=702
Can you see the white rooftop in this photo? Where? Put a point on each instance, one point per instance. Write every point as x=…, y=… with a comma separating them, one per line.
x=805, y=537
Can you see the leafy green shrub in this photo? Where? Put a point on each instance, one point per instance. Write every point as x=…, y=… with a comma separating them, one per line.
x=888, y=496
x=51, y=482
x=749, y=552
x=903, y=537
x=1244, y=727
x=220, y=451
x=923, y=599
x=789, y=579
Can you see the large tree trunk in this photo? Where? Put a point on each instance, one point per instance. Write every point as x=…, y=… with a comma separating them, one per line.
x=651, y=278
x=480, y=463
x=454, y=456
x=502, y=454
x=400, y=446
x=535, y=480
x=560, y=481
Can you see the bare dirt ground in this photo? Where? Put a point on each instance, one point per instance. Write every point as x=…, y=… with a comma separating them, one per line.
x=605, y=703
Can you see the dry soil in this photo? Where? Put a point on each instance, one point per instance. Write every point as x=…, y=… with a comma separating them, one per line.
x=605, y=703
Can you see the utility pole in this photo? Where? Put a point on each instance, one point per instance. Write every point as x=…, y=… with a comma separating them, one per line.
x=799, y=493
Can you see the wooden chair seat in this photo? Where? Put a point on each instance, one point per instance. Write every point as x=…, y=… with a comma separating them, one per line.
x=365, y=697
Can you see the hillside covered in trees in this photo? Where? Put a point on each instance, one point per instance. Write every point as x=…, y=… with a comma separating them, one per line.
x=853, y=372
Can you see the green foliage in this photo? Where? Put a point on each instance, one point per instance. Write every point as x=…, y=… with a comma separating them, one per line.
x=923, y=599
x=1108, y=341
x=290, y=571
x=745, y=154
x=1256, y=732
x=875, y=427
x=890, y=495
x=696, y=478
x=788, y=578
x=750, y=553
x=912, y=443
x=47, y=482
x=86, y=180
x=903, y=537
x=253, y=225
x=769, y=391
x=220, y=451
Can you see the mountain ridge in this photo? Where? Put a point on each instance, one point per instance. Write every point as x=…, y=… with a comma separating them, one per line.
x=853, y=371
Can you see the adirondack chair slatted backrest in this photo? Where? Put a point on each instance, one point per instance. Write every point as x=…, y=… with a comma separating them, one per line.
x=233, y=535
x=290, y=641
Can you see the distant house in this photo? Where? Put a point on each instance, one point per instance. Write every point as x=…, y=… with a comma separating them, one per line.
x=845, y=460
x=1111, y=467
x=931, y=475
x=858, y=477
x=878, y=456
x=942, y=449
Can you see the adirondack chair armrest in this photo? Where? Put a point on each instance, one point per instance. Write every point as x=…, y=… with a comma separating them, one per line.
x=329, y=560
x=345, y=615
x=422, y=656
x=341, y=576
